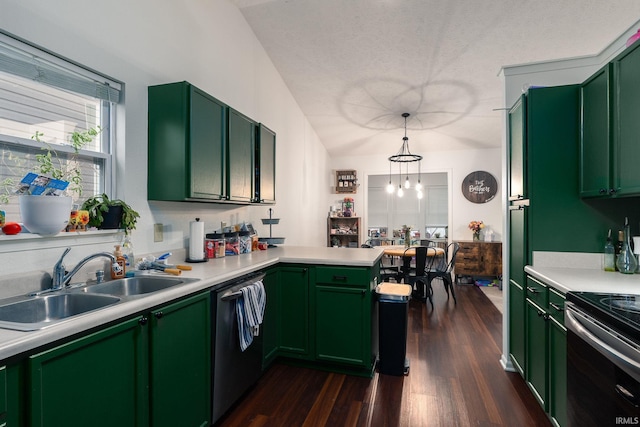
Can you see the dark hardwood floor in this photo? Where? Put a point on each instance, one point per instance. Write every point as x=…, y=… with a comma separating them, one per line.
x=455, y=379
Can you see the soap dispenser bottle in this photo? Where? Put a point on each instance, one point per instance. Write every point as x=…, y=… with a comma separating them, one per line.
x=626, y=261
x=118, y=267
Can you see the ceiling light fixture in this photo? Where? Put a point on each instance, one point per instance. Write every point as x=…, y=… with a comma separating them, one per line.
x=404, y=155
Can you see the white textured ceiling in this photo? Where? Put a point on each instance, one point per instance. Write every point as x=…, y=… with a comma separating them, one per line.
x=354, y=66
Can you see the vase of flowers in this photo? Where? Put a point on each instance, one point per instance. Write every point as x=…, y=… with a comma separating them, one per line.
x=347, y=207
x=476, y=226
x=406, y=232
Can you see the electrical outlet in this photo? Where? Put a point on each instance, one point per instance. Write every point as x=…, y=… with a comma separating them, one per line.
x=158, y=232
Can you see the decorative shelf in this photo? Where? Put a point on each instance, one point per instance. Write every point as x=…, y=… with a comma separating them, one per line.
x=346, y=182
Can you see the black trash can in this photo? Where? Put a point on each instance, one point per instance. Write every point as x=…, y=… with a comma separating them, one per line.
x=393, y=316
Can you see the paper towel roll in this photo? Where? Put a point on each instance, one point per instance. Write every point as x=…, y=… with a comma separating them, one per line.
x=636, y=245
x=196, y=240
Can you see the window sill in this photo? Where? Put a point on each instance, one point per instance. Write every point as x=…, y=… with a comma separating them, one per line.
x=29, y=241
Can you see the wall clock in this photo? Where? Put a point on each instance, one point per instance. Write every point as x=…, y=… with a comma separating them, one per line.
x=479, y=187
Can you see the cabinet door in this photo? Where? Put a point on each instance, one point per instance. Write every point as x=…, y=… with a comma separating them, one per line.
x=293, y=322
x=557, y=372
x=206, y=149
x=98, y=380
x=266, y=167
x=491, y=259
x=186, y=140
x=241, y=149
x=627, y=78
x=270, y=318
x=342, y=324
x=517, y=326
x=517, y=148
x=595, y=134
x=180, y=363
x=536, y=352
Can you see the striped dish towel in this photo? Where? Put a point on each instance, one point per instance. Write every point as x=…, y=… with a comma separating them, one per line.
x=249, y=312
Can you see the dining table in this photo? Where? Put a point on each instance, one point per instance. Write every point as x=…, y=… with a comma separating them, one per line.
x=407, y=253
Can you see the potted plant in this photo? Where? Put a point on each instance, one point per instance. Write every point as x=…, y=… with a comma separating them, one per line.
x=106, y=213
x=52, y=176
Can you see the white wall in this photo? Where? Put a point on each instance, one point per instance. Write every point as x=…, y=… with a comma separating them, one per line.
x=457, y=164
x=209, y=44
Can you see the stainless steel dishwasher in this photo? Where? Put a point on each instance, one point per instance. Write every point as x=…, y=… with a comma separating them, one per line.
x=234, y=371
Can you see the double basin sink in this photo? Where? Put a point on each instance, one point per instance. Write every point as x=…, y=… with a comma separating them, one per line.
x=37, y=312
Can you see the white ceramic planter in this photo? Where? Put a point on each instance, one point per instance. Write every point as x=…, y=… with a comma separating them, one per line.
x=45, y=215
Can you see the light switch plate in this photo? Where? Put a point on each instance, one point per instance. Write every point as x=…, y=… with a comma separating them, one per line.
x=158, y=232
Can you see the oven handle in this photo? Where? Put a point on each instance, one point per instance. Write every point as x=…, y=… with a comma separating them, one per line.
x=620, y=353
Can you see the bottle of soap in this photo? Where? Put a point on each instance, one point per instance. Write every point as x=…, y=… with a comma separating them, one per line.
x=127, y=252
x=609, y=254
x=118, y=268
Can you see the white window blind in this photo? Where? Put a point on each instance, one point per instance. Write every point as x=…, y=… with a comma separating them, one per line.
x=40, y=92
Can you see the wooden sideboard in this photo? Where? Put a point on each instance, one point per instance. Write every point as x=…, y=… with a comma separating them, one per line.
x=482, y=259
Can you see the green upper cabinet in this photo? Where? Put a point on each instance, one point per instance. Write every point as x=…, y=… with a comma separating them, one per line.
x=240, y=173
x=610, y=129
x=596, y=135
x=201, y=150
x=626, y=71
x=265, y=181
x=186, y=144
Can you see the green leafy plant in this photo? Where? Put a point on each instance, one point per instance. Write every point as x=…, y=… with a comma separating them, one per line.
x=7, y=187
x=100, y=204
x=52, y=165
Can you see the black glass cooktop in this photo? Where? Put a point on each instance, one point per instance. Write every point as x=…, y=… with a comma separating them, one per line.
x=621, y=311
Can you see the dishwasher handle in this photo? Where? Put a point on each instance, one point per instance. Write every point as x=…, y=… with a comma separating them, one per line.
x=234, y=291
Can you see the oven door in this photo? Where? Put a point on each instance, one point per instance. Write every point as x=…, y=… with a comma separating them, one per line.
x=603, y=373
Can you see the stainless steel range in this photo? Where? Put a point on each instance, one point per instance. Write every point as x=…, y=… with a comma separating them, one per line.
x=603, y=359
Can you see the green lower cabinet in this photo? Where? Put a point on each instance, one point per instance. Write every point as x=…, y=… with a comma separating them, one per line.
x=293, y=315
x=557, y=373
x=152, y=370
x=180, y=363
x=270, y=318
x=342, y=324
x=517, y=326
x=536, y=353
x=98, y=380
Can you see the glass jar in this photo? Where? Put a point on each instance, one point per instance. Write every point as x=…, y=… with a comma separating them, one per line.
x=214, y=245
x=231, y=243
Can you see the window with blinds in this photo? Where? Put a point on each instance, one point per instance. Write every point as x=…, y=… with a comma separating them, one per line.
x=41, y=92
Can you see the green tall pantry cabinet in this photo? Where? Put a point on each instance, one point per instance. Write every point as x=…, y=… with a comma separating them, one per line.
x=545, y=208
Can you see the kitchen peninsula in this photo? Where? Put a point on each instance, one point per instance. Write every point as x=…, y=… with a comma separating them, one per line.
x=319, y=313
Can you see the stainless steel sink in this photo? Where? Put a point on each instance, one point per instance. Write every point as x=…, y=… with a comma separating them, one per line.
x=133, y=286
x=41, y=311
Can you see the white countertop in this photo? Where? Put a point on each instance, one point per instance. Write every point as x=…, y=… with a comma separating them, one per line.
x=211, y=273
x=586, y=279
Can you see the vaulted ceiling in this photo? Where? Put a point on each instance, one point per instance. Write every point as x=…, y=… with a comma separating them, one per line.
x=354, y=66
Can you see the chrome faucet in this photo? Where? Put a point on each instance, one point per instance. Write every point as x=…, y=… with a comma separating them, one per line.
x=61, y=278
